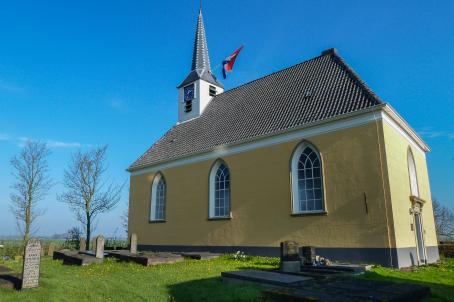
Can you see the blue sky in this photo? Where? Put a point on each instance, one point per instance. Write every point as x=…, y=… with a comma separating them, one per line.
x=85, y=73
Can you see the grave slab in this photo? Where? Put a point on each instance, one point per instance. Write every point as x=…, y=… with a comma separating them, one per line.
x=336, y=268
x=81, y=259
x=60, y=255
x=10, y=280
x=146, y=259
x=266, y=278
x=348, y=289
x=200, y=255
x=4, y=269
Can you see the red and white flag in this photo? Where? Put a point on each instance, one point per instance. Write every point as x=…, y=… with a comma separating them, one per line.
x=227, y=64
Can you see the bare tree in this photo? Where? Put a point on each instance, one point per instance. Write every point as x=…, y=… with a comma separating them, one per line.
x=444, y=221
x=87, y=193
x=125, y=219
x=32, y=183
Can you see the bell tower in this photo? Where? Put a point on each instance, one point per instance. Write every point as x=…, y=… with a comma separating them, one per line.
x=200, y=86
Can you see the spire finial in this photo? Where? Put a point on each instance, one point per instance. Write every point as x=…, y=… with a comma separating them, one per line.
x=200, y=58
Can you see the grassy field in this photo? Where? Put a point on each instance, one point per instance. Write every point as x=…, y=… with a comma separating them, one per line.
x=440, y=278
x=190, y=280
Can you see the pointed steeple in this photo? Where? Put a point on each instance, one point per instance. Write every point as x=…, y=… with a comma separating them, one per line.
x=200, y=68
x=200, y=58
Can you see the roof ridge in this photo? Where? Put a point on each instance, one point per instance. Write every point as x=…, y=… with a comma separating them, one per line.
x=328, y=52
x=354, y=75
x=274, y=72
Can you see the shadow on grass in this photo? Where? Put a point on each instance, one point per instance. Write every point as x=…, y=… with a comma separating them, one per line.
x=10, y=280
x=213, y=289
x=439, y=291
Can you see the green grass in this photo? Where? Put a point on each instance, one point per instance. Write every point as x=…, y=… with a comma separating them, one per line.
x=190, y=280
x=440, y=278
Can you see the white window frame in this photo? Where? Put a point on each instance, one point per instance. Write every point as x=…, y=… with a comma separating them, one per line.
x=412, y=174
x=294, y=179
x=212, y=191
x=154, y=190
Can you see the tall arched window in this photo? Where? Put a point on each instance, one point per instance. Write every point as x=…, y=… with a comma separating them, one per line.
x=412, y=174
x=158, y=198
x=219, y=191
x=307, y=184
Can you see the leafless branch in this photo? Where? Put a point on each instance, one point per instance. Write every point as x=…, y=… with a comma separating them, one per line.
x=32, y=183
x=444, y=221
x=88, y=193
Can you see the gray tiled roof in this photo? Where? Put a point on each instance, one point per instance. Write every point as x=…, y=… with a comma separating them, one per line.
x=314, y=90
x=200, y=68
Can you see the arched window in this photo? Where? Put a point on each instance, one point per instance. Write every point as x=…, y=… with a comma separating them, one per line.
x=307, y=184
x=158, y=198
x=219, y=190
x=412, y=174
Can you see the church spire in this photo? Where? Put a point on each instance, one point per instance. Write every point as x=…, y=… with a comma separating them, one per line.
x=200, y=86
x=200, y=68
x=200, y=57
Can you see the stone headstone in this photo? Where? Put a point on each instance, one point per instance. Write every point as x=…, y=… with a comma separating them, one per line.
x=82, y=245
x=32, y=257
x=93, y=244
x=133, y=243
x=99, y=252
x=43, y=252
x=50, y=250
x=309, y=256
x=289, y=251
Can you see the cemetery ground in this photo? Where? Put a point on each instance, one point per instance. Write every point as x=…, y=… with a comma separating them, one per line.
x=190, y=280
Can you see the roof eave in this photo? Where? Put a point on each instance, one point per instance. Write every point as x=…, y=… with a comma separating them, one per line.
x=313, y=124
x=406, y=127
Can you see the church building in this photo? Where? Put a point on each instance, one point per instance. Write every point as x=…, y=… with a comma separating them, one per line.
x=308, y=153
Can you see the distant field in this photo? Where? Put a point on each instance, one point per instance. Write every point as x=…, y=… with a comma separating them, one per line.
x=190, y=280
x=14, y=248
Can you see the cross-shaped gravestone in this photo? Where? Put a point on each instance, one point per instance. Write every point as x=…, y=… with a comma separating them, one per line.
x=32, y=257
x=99, y=252
x=133, y=243
x=50, y=251
x=82, y=245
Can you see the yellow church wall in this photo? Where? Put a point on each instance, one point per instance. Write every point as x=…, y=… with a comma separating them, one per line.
x=261, y=198
x=396, y=156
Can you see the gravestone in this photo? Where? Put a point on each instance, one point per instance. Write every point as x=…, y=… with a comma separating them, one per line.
x=43, y=252
x=50, y=251
x=99, y=252
x=290, y=258
x=93, y=244
x=82, y=245
x=289, y=251
x=133, y=243
x=32, y=257
x=308, y=255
